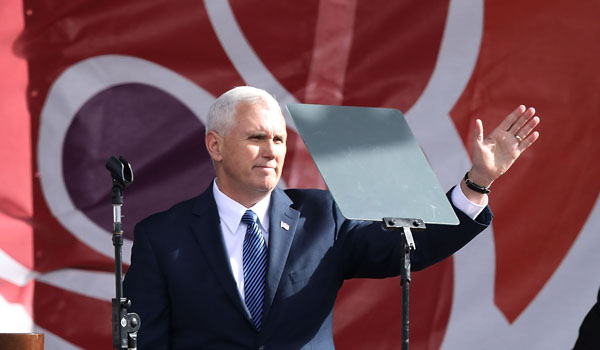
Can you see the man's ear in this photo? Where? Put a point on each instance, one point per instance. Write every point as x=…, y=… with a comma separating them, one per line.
x=214, y=142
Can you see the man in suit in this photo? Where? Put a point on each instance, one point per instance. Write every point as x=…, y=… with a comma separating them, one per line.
x=247, y=265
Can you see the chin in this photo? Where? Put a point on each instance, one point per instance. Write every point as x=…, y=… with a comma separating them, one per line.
x=267, y=187
x=264, y=183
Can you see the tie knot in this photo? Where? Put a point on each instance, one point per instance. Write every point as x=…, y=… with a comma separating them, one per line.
x=249, y=217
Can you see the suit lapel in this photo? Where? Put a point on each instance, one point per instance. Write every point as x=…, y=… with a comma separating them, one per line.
x=207, y=229
x=282, y=226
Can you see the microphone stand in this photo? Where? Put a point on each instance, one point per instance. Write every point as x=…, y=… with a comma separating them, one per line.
x=124, y=324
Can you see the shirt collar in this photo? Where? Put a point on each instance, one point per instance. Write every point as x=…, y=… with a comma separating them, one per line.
x=231, y=212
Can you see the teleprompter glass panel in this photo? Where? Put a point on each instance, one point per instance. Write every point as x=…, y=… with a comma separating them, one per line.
x=372, y=163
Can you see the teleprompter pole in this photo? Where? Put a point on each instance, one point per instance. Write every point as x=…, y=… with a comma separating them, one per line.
x=408, y=244
x=125, y=325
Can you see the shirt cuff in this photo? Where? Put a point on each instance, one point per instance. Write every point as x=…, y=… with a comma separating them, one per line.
x=462, y=203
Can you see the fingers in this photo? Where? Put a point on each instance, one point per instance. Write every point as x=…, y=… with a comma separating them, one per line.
x=527, y=128
x=526, y=143
x=527, y=134
x=509, y=121
x=478, y=131
x=521, y=119
x=518, y=126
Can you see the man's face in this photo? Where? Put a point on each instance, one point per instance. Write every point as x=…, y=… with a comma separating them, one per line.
x=252, y=152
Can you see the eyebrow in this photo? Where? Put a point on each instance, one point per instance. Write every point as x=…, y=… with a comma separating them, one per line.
x=258, y=135
x=264, y=136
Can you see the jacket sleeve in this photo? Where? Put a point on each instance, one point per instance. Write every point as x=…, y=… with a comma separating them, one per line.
x=370, y=251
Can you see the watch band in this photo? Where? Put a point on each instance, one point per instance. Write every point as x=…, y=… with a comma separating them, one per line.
x=475, y=187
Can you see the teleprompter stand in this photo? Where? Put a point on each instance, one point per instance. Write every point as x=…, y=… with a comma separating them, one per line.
x=124, y=324
x=408, y=244
x=375, y=171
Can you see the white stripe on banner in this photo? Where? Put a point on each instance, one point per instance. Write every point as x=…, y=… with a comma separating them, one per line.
x=243, y=57
x=550, y=322
x=94, y=284
x=13, y=272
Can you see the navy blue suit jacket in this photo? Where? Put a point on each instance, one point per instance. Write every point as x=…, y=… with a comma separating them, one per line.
x=181, y=283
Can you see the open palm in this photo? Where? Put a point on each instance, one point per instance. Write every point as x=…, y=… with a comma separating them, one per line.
x=494, y=154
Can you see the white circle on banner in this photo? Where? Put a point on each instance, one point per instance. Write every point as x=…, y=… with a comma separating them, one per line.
x=71, y=90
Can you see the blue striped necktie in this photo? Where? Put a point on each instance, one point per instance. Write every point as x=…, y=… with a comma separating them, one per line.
x=254, y=257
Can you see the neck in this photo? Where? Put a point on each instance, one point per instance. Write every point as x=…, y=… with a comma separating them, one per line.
x=245, y=198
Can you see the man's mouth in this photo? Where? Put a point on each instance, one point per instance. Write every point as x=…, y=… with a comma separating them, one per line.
x=264, y=167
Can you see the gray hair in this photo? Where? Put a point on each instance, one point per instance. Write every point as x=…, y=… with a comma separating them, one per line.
x=221, y=113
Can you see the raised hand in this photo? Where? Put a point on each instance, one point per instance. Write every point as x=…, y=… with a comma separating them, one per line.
x=494, y=154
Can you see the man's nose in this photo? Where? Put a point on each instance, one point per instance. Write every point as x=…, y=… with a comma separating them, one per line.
x=269, y=149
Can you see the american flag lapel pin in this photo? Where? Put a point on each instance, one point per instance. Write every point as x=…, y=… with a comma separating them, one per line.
x=285, y=226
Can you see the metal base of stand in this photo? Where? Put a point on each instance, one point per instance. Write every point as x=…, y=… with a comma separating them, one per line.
x=408, y=244
x=125, y=325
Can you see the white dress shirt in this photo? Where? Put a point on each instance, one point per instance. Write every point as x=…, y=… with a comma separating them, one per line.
x=464, y=204
x=234, y=230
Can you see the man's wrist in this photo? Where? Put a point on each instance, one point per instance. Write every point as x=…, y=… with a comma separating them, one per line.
x=475, y=197
x=483, y=189
x=480, y=177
